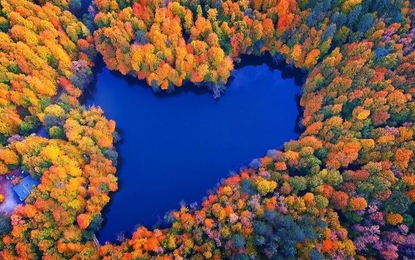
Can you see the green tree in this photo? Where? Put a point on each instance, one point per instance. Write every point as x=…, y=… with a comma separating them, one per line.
x=5, y=225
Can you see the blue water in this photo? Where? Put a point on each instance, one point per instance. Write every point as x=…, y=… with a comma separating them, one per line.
x=175, y=148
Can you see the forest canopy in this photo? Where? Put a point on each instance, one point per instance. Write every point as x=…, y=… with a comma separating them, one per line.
x=344, y=190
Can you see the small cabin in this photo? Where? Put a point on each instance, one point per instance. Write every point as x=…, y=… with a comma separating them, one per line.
x=25, y=186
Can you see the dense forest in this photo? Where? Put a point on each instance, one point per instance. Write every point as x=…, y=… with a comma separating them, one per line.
x=344, y=190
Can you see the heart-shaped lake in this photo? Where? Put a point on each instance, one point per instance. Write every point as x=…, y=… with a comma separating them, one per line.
x=176, y=148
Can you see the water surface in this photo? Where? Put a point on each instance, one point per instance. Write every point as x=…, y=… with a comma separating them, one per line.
x=175, y=148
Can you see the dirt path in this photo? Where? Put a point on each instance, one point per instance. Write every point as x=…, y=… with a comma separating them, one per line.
x=6, y=188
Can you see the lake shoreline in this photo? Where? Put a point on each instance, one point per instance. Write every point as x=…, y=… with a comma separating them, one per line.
x=244, y=109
